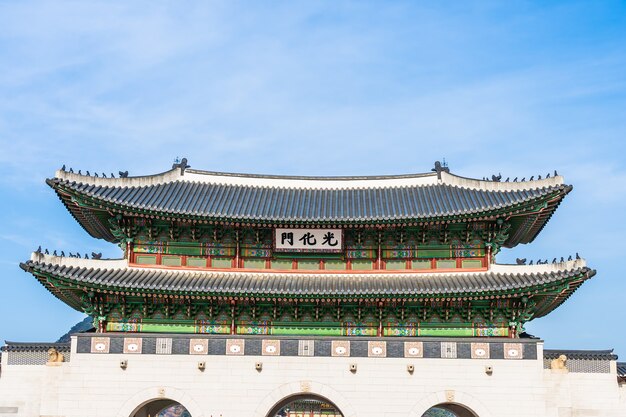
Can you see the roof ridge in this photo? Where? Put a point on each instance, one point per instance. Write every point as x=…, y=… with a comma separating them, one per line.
x=122, y=263
x=606, y=354
x=556, y=266
x=41, y=258
x=308, y=182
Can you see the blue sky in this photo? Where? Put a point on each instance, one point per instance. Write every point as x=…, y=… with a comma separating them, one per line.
x=317, y=88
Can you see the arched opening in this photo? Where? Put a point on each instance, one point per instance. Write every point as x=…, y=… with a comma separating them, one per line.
x=161, y=408
x=449, y=410
x=305, y=405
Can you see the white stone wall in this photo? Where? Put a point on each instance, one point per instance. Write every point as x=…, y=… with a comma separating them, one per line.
x=94, y=385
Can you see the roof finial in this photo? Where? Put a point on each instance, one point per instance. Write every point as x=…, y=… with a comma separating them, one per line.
x=439, y=168
x=182, y=164
x=123, y=174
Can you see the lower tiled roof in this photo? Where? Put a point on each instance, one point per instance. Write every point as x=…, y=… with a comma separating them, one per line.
x=34, y=346
x=117, y=277
x=547, y=285
x=580, y=354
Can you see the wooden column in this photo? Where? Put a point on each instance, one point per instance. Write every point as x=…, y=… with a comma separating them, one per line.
x=379, y=333
x=233, y=307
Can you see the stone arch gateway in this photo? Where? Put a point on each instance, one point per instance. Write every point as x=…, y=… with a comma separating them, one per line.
x=305, y=404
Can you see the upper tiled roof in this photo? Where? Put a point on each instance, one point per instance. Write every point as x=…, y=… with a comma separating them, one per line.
x=621, y=369
x=319, y=200
x=116, y=275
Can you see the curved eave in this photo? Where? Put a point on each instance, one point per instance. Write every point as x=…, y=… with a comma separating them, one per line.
x=84, y=207
x=537, y=222
x=69, y=297
x=84, y=216
x=549, y=285
x=551, y=302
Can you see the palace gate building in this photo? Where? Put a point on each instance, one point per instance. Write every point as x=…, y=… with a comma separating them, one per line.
x=262, y=296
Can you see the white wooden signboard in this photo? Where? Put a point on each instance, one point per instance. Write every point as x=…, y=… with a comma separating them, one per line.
x=308, y=240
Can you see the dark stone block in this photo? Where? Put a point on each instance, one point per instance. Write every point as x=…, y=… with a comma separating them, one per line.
x=254, y=347
x=432, y=349
x=464, y=350
x=83, y=345
x=180, y=346
x=395, y=349
x=148, y=346
x=358, y=349
x=217, y=346
x=322, y=347
x=496, y=350
x=530, y=350
x=117, y=345
x=289, y=347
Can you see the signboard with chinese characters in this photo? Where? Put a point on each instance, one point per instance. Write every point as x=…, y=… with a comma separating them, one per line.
x=308, y=240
